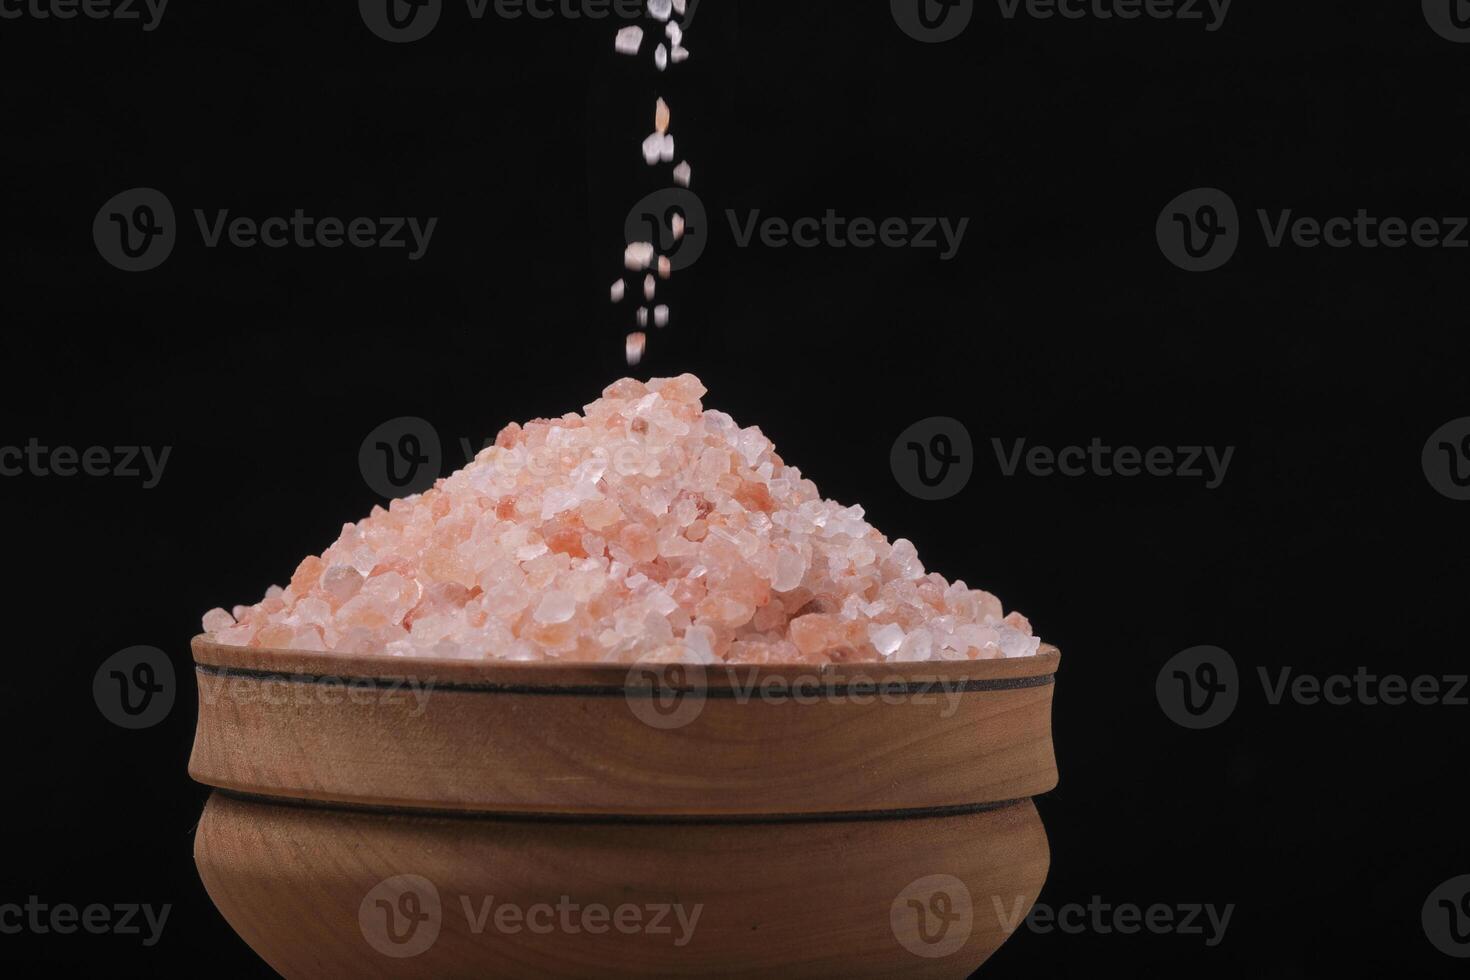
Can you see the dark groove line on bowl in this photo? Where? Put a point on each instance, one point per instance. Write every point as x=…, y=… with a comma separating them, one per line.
x=839, y=816
x=937, y=686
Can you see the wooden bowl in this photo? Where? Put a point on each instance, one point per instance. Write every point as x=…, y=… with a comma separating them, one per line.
x=385, y=817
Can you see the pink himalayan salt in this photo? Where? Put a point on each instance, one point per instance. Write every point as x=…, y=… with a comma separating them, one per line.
x=646, y=527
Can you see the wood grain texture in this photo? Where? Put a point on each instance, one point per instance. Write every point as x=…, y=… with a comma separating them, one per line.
x=305, y=887
x=572, y=739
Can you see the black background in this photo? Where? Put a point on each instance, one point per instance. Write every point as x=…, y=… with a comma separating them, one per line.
x=1324, y=549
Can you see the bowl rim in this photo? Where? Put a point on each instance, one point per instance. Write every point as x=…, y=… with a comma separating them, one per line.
x=223, y=660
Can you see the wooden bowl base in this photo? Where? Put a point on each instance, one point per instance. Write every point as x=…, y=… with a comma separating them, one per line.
x=331, y=892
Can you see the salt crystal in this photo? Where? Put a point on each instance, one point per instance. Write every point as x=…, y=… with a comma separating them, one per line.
x=619, y=290
x=660, y=9
x=679, y=6
x=629, y=40
x=661, y=57
x=634, y=348
x=665, y=265
x=217, y=619
x=642, y=316
x=666, y=150
x=555, y=607
x=677, y=223
x=675, y=33
x=886, y=639
x=679, y=55
x=646, y=528
x=653, y=148
x=660, y=316
x=650, y=287
x=638, y=256
x=683, y=173
x=661, y=115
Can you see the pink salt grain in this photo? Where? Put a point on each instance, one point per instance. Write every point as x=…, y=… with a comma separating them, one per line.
x=646, y=526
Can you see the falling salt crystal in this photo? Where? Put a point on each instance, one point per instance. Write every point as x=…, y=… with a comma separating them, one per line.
x=642, y=316
x=660, y=316
x=661, y=116
x=675, y=33
x=666, y=151
x=661, y=57
x=638, y=256
x=679, y=6
x=634, y=348
x=665, y=268
x=629, y=40
x=653, y=148
x=683, y=173
x=678, y=225
x=660, y=9
x=619, y=290
x=679, y=55
x=650, y=287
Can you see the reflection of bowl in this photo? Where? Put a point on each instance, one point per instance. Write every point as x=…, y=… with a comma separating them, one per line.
x=432, y=818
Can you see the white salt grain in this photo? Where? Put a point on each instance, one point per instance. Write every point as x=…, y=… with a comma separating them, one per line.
x=886, y=639
x=634, y=348
x=642, y=316
x=675, y=33
x=666, y=151
x=650, y=287
x=555, y=607
x=638, y=256
x=665, y=267
x=660, y=9
x=629, y=40
x=653, y=148
x=677, y=223
x=679, y=55
x=661, y=57
x=660, y=316
x=683, y=173
x=619, y=290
